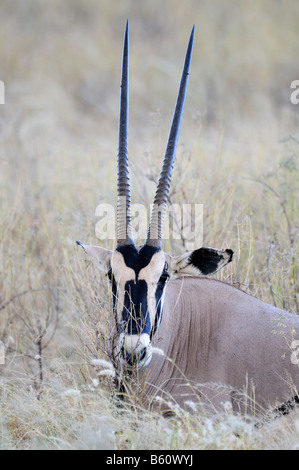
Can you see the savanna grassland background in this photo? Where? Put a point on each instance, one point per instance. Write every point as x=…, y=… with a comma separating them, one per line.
x=238, y=155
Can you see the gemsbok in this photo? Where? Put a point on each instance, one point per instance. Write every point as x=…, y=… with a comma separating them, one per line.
x=184, y=338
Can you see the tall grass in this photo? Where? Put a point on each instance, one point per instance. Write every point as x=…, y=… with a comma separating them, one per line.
x=238, y=156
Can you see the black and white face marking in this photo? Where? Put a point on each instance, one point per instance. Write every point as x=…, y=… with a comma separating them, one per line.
x=138, y=279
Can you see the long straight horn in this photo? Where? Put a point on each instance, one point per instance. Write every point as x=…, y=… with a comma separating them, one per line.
x=160, y=201
x=124, y=226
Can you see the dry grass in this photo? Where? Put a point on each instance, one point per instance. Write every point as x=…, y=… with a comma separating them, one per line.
x=238, y=155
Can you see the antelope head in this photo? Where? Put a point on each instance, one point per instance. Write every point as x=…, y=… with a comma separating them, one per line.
x=139, y=276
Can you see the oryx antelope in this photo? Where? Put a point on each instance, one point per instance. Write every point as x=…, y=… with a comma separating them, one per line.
x=221, y=346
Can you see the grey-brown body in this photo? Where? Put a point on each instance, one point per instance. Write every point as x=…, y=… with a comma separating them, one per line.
x=224, y=349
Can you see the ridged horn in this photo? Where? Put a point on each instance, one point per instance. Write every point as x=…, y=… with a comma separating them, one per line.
x=124, y=225
x=162, y=192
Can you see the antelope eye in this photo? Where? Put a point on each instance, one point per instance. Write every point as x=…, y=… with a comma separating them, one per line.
x=164, y=276
x=109, y=274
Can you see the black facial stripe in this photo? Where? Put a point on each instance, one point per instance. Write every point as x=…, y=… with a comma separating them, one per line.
x=136, y=319
x=114, y=293
x=159, y=292
x=135, y=259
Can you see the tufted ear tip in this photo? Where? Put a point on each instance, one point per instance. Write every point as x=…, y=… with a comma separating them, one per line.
x=202, y=262
x=230, y=254
x=81, y=245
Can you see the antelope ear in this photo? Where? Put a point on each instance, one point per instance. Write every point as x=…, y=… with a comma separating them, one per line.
x=100, y=256
x=203, y=261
